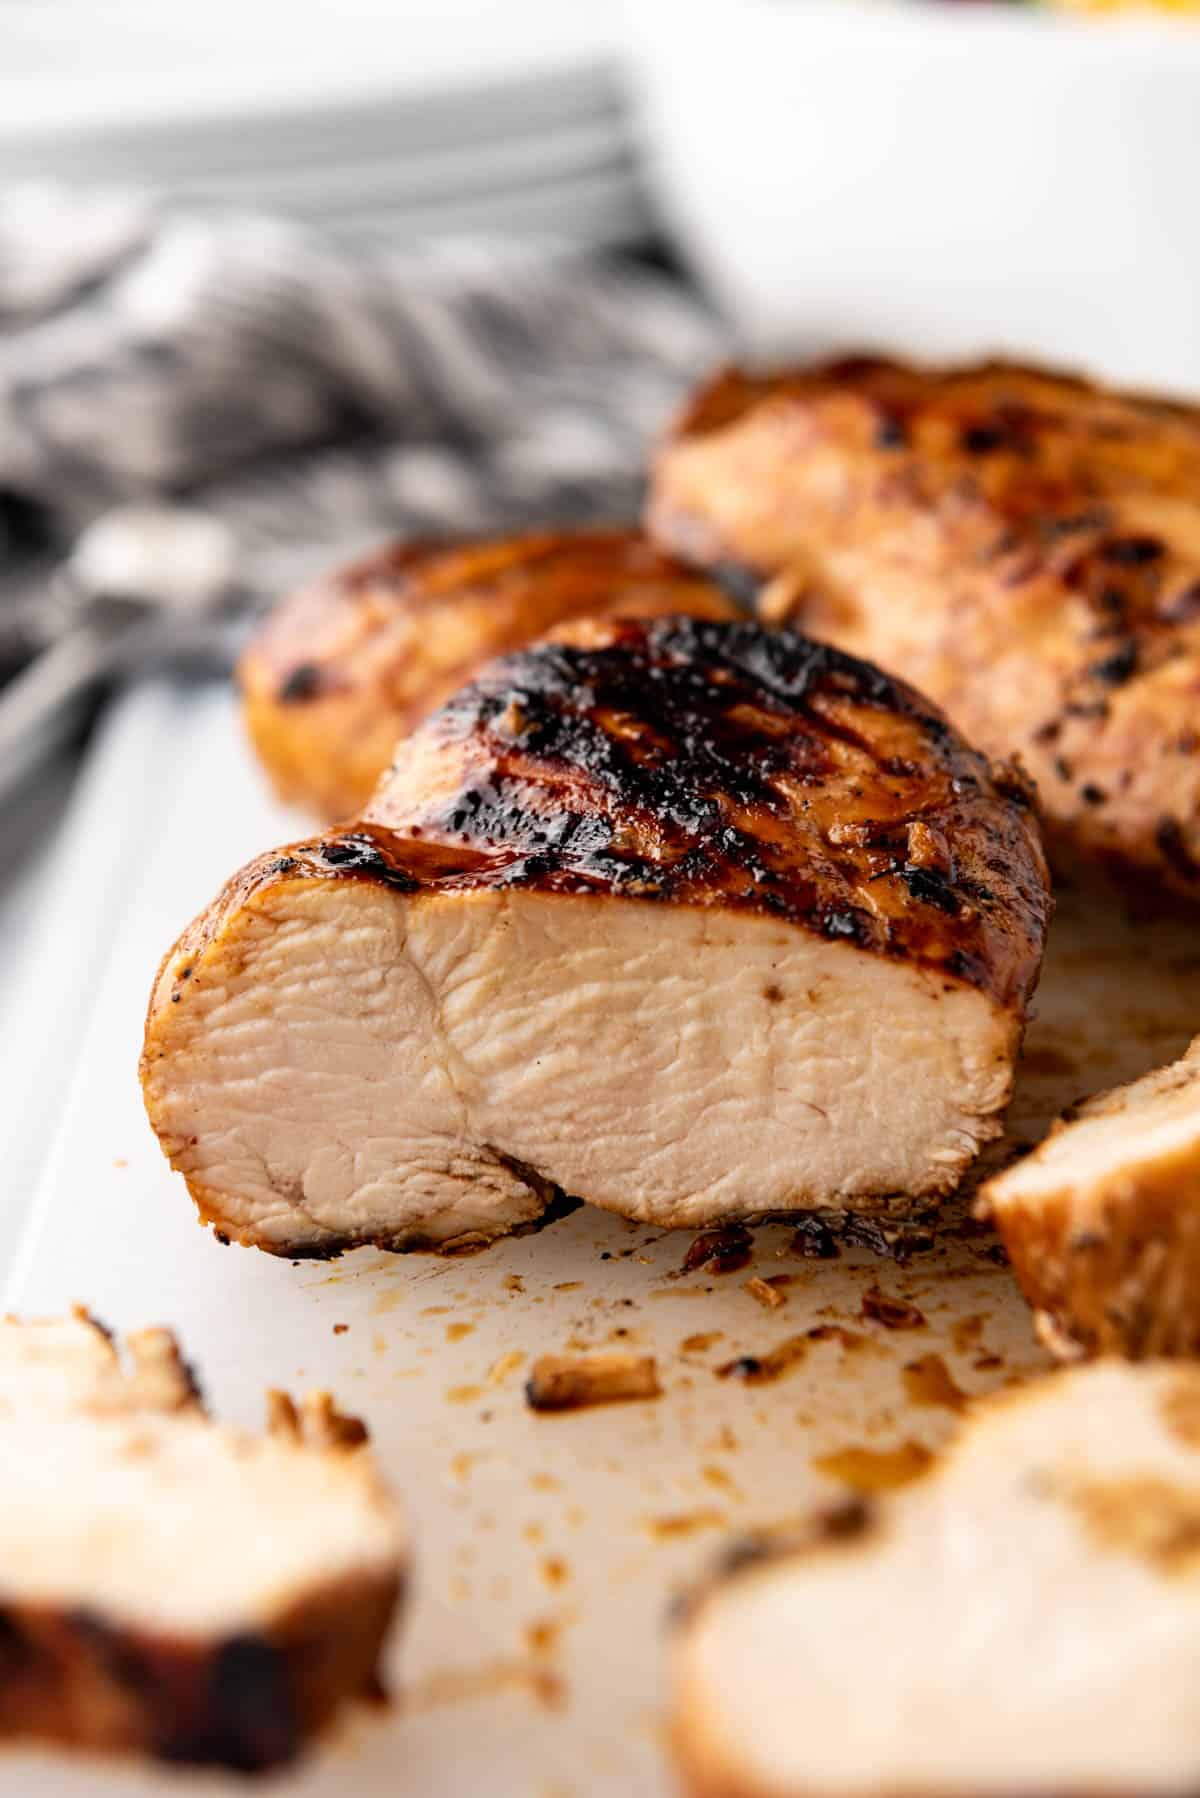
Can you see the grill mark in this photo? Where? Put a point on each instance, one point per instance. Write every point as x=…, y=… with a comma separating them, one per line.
x=706, y=763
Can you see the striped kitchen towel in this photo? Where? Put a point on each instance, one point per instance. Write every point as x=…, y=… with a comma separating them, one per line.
x=312, y=397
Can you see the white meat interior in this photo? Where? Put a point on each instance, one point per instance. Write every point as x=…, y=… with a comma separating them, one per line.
x=352, y=1060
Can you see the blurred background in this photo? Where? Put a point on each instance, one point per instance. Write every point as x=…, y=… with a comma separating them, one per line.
x=278, y=282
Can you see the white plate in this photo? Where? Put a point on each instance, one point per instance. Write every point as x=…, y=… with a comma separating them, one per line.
x=513, y=162
x=586, y=1524
x=130, y=63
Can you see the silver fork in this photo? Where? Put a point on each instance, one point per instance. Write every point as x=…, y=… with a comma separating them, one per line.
x=144, y=586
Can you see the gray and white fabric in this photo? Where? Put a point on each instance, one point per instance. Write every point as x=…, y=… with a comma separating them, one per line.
x=312, y=398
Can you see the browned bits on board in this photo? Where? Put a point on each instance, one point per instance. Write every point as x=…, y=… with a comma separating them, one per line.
x=573, y=1382
x=928, y=1381
x=759, y=1370
x=721, y=1251
x=814, y=1240
x=849, y=1339
x=892, y=1313
x=876, y=1469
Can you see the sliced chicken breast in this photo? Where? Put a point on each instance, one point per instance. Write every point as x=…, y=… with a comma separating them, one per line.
x=1026, y=1620
x=169, y=1587
x=1102, y=1220
x=341, y=671
x=696, y=921
x=1023, y=547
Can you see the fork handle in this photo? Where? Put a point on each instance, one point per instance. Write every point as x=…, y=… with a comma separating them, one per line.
x=45, y=691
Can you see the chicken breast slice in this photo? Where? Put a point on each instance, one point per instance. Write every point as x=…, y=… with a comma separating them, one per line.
x=1025, y=1620
x=168, y=1586
x=695, y=921
x=1102, y=1220
x=343, y=669
x=1022, y=546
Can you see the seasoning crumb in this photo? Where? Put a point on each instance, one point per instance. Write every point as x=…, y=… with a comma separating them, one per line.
x=765, y=1293
x=892, y=1313
x=542, y=1635
x=340, y=1329
x=721, y=1480
x=513, y=1283
x=573, y=1382
x=500, y=1369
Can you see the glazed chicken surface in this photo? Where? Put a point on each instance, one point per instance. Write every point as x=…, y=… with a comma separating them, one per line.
x=693, y=920
x=343, y=669
x=1021, y=546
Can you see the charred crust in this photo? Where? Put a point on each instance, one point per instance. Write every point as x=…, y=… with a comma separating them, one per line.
x=1173, y=847
x=982, y=439
x=1132, y=552
x=247, y=1703
x=931, y=887
x=302, y=682
x=358, y=853
x=254, y=1722
x=15, y=1649
x=1115, y=669
x=687, y=760
x=557, y=1206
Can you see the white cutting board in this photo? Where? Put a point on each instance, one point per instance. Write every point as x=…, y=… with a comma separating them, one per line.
x=531, y=1660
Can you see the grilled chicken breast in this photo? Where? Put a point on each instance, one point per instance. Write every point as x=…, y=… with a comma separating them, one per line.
x=1023, y=547
x=1102, y=1221
x=342, y=670
x=693, y=920
x=1025, y=1620
x=170, y=1587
